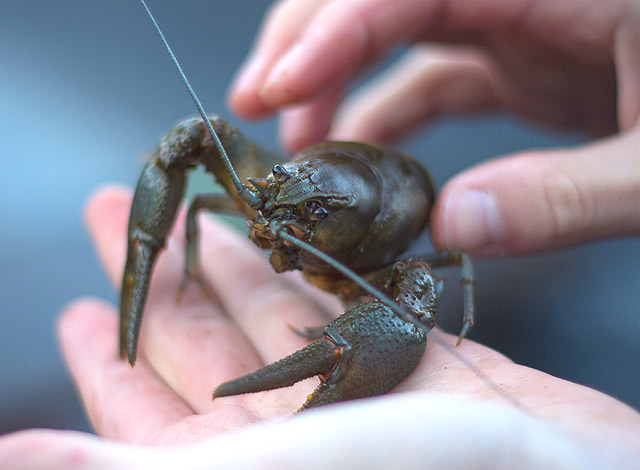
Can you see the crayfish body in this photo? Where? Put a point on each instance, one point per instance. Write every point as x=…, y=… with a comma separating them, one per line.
x=358, y=204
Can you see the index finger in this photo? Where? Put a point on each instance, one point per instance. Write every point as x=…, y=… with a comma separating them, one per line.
x=335, y=40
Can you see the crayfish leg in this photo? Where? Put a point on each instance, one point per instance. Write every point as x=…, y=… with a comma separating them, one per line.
x=218, y=203
x=467, y=280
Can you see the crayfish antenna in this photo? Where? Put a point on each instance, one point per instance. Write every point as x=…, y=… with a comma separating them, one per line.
x=249, y=196
x=394, y=306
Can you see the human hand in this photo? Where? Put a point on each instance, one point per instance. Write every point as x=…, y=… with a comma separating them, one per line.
x=565, y=64
x=481, y=411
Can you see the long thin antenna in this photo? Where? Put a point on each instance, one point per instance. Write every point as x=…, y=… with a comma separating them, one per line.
x=242, y=189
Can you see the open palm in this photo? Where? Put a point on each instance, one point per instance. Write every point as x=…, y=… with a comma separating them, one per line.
x=471, y=405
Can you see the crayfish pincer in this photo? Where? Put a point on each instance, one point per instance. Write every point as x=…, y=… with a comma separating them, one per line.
x=343, y=213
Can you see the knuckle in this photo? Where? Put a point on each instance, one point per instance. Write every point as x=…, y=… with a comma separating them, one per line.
x=567, y=202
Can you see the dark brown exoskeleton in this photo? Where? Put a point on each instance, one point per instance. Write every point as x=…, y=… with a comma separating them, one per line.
x=359, y=204
x=341, y=212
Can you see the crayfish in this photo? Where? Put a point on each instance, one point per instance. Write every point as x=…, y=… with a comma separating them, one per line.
x=343, y=213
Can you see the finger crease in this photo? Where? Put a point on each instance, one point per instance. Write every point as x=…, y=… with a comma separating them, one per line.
x=566, y=203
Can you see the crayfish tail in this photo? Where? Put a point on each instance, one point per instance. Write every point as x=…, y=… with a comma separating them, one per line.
x=318, y=358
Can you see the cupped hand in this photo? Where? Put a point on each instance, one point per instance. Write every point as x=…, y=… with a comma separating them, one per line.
x=565, y=64
x=464, y=406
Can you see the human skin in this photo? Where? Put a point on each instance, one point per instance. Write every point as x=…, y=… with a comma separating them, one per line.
x=471, y=408
x=467, y=406
x=572, y=64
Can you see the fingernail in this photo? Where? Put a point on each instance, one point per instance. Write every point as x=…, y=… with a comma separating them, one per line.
x=471, y=220
x=282, y=68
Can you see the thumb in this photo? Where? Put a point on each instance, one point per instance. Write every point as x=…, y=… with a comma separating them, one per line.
x=541, y=200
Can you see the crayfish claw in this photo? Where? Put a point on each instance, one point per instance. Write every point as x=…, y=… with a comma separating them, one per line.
x=317, y=358
x=366, y=351
x=378, y=350
x=308, y=332
x=153, y=210
x=135, y=284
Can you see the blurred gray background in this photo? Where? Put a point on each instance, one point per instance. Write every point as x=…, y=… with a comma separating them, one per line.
x=86, y=89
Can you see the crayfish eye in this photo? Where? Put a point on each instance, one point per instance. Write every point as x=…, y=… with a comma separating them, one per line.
x=316, y=211
x=320, y=213
x=280, y=173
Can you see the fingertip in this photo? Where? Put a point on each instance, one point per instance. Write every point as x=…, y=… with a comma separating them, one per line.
x=301, y=126
x=248, y=105
x=243, y=97
x=106, y=216
x=466, y=218
x=540, y=200
x=284, y=22
x=286, y=83
x=495, y=208
x=104, y=201
x=107, y=192
x=332, y=48
x=81, y=321
x=68, y=319
x=83, y=310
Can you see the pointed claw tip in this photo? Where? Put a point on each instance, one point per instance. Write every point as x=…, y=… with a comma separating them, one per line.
x=465, y=328
x=219, y=392
x=132, y=359
x=129, y=353
x=124, y=354
x=295, y=330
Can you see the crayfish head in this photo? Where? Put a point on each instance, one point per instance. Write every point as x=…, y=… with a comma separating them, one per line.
x=293, y=218
x=326, y=200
